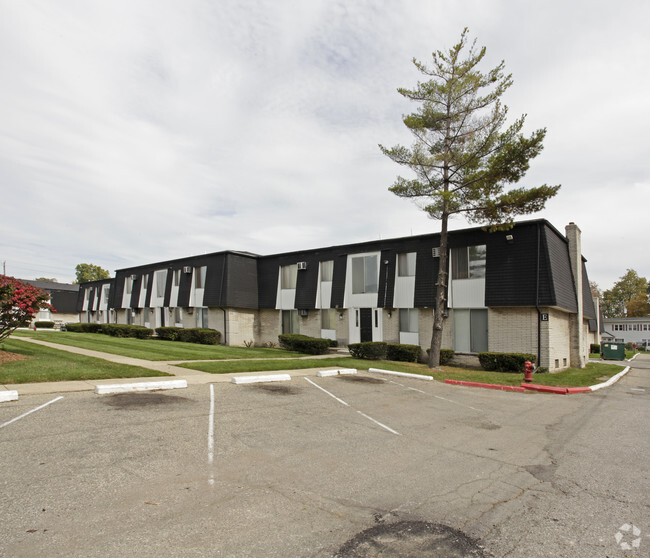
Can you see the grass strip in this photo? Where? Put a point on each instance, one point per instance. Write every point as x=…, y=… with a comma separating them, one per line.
x=152, y=349
x=573, y=377
x=43, y=364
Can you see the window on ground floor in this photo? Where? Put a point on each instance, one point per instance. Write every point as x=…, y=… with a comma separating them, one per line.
x=202, y=317
x=408, y=320
x=470, y=330
x=290, y=322
x=328, y=318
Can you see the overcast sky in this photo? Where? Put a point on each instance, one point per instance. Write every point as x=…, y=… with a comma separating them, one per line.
x=135, y=131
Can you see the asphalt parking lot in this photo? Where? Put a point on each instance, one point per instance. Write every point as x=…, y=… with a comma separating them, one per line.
x=343, y=466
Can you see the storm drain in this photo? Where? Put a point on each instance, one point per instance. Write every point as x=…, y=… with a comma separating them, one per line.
x=411, y=539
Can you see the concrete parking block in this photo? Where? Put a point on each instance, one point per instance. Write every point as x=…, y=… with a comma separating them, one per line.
x=402, y=374
x=8, y=395
x=257, y=379
x=140, y=386
x=338, y=372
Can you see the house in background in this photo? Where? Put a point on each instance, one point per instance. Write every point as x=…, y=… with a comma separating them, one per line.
x=627, y=330
x=63, y=298
x=524, y=290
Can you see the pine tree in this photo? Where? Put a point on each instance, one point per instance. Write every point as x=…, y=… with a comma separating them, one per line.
x=461, y=158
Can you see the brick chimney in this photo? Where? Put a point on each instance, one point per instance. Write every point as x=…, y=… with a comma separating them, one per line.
x=578, y=353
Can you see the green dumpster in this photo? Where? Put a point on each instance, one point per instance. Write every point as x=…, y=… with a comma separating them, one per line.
x=612, y=351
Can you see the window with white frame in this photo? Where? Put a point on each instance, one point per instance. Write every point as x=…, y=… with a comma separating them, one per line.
x=328, y=318
x=327, y=271
x=468, y=262
x=107, y=291
x=406, y=264
x=145, y=281
x=177, y=277
x=408, y=320
x=202, y=317
x=365, y=274
x=199, y=276
x=288, y=276
x=161, y=280
x=178, y=315
x=290, y=322
x=128, y=284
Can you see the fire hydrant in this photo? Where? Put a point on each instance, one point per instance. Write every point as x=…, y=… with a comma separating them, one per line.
x=528, y=372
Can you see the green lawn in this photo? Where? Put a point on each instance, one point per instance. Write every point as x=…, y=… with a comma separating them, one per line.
x=51, y=365
x=572, y=377
x=152, y=349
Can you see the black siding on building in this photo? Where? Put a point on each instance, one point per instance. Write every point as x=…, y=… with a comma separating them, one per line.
x=240, y=283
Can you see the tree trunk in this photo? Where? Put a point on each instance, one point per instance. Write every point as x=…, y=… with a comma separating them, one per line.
x=441, y=297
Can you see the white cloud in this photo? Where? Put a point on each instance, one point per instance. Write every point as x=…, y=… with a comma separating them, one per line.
x=140, y=131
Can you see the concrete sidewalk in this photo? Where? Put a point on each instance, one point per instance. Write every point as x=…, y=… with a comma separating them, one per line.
x=193, y=377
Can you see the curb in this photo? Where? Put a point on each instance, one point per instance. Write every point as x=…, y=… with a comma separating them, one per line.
x=140, y=386
x=543, y=389
x=611, y=381
x=486, y=386
x=402, y=374
x=257, y=379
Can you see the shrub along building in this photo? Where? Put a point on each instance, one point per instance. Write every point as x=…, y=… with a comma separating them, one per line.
x=524, y=290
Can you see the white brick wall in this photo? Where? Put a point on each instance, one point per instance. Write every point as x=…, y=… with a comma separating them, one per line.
x=512, y=330
x=240, y=326
x=556, y=340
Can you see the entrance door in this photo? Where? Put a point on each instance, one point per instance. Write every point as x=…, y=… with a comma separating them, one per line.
x=365, y=323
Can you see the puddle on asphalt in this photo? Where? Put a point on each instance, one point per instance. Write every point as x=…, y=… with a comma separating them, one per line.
x=143, y=400
x=411, y=538
x=360, y=379
x=276, y=389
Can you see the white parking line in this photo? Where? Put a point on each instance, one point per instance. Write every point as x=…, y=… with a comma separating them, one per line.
x=211, y=435
x=436, y=396
x=379, y=423
x=30, y=412
x=327, y=392
x=348, y=405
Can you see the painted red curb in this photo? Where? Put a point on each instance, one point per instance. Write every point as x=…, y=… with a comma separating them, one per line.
x=553, y=389
x=487, y=386
x=578, y=390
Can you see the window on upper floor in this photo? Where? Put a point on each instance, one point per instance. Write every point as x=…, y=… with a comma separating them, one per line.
x=288, y=276
x=468, y=262
x=177, y=277
x=199, y=276
x=365, y=274
x=326, y=270
x=161, y=280
x=128, y=284
x=145, y=281
x=406, y=264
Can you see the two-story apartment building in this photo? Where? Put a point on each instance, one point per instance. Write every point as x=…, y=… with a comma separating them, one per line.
x=524, y=290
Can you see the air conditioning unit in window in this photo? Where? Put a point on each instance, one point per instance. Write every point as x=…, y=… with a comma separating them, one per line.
x=187, y=269
x=134, y=277
x=435, y=252
x=304, y=313
x=302, y=265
